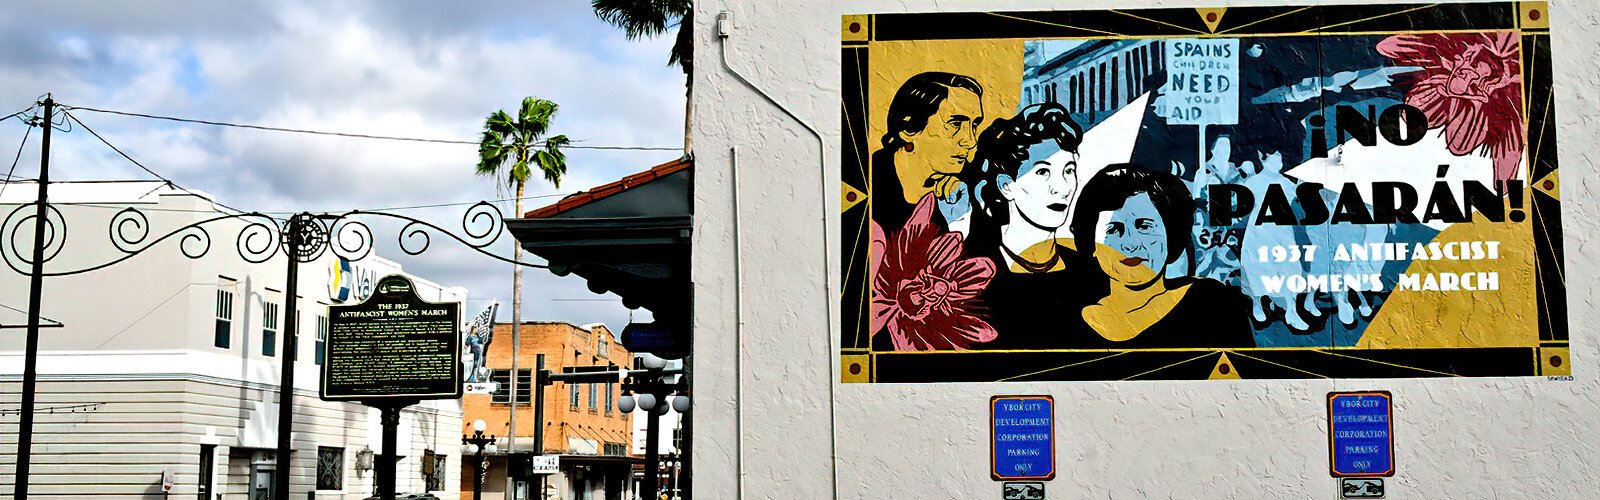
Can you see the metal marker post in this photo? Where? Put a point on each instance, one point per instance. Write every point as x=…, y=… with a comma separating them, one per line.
x=286, y=381
x=30, y=372
x=384, y=472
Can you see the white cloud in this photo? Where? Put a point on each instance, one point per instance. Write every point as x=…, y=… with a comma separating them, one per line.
x=420, y=69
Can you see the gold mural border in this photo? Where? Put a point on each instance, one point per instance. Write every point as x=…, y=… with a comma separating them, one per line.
x=1530, y=18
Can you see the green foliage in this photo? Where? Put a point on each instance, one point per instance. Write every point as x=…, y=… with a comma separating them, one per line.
x=511, y=148
x=652, y=18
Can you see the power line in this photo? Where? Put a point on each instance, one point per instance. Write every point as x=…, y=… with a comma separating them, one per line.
x=103, y=140
x=14, y=161
x=19, y=113
x=348, y=134
x=436, y=205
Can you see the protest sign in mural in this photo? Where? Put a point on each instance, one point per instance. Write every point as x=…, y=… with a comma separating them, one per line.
x=1256, y=192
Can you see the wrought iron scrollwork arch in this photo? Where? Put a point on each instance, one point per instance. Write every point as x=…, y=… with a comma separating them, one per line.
x=261, y=239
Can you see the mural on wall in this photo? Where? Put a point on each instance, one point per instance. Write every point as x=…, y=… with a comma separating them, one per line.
x=1260, y=192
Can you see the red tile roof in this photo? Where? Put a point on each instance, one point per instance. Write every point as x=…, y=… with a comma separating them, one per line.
x=582, y=198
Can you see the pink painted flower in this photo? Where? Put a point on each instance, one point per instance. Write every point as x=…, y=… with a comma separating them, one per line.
x=875, y=251
x=923, y=288
x=1471, y=86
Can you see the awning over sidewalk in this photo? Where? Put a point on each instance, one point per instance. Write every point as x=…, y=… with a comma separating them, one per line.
x=629, y=237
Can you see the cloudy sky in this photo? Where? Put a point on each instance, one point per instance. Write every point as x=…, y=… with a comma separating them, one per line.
x=417, y=69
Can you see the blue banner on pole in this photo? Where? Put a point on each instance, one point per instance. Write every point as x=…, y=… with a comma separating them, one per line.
x=1360, y=434
x=1023, y=428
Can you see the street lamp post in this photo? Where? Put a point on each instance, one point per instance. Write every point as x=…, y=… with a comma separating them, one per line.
x=650, y=385
x=648, y=390
x=477, y=444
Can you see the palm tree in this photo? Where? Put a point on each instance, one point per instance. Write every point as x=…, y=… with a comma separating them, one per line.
x=652, y=18
x=516, y=142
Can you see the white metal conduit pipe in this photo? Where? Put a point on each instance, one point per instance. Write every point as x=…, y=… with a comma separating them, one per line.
x=724, y=32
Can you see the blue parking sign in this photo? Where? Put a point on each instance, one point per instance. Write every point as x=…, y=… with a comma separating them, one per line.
x=1360, y=434
x=1023, y=428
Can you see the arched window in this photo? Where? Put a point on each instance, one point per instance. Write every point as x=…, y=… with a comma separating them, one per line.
x=1072, y=86
x=1136, y=67
x=1094, y=86
x=1100, y=99
x=1116, y=85
x=1083, y=86
x=1159, y=55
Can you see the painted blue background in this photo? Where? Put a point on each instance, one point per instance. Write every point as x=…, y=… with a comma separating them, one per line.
x=1345, y=462
x=1039, y=465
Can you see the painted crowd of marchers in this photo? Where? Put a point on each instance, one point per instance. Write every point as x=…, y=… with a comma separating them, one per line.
x=1203, y=192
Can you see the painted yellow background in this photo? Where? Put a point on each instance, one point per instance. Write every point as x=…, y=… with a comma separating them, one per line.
x=1505, y=318
x=996, y=64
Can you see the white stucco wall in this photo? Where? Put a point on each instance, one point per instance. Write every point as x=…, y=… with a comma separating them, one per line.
x=770, y=438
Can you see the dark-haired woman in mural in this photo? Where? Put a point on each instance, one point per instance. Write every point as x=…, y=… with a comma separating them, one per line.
x=1023, y=181
x=1133, y=222
x=922, y=287
x=932, y=128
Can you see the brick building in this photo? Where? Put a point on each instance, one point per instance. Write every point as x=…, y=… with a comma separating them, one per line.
x=581, y=423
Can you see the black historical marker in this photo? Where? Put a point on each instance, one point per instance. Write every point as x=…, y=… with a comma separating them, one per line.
x=393, y=345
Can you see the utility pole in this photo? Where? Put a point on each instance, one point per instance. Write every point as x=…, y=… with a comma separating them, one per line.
x=30, y=366
x=540, y=375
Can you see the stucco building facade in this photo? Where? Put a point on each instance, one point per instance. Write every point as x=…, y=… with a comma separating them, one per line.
x=168, y=367
x=787, y=412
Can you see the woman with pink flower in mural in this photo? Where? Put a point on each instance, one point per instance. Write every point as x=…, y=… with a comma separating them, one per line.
x=1471, y=85
x=923, y=289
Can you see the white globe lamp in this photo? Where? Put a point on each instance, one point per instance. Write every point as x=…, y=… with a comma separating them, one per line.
x=647, y=401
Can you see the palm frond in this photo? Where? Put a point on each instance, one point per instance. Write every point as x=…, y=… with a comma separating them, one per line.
x=520, y=172
x=551, y=160
x=534, y=117
x=491, y=154
x=637, y=18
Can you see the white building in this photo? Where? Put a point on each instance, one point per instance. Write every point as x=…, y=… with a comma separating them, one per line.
x=169, y=366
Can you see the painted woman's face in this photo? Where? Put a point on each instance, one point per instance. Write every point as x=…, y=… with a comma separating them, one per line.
x=1042, y=191
x=1132, y=246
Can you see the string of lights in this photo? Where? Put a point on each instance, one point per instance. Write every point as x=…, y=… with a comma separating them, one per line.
x=77, y=408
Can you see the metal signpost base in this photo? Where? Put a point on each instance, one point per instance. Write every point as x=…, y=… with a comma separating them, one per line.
x=384, y=470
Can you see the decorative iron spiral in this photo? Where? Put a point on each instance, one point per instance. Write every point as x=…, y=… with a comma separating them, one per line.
x=350, y=239
x=128, y=229
x=19, y=231
x=415, y=233
x=486, y=216
x=195, y=243
x=258, y=241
